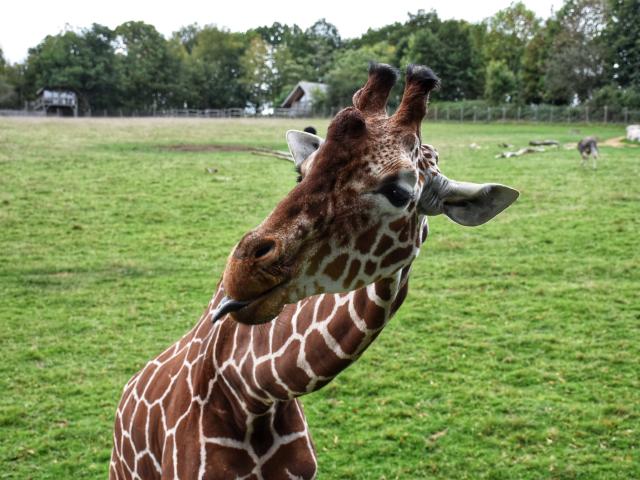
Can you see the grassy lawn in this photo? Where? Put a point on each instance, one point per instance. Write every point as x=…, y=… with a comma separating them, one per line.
x=515, y=356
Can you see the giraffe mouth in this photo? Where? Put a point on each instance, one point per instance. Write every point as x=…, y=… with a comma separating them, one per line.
x=260, y=309
x=228, y=305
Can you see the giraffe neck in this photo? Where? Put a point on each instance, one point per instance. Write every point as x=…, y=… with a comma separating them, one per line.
x=224, y=393
x=300, y=351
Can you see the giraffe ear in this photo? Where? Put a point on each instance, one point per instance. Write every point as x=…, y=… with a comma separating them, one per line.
x=302, y=145
x=468, y=204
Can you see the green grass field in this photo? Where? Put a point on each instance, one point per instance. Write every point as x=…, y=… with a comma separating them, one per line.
x=515, y=356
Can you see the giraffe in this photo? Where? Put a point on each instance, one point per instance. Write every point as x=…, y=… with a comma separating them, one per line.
x=301, y=298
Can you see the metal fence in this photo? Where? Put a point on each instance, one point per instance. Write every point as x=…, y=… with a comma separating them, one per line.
x=20, y=113
x=533, y=113
x=451, y=113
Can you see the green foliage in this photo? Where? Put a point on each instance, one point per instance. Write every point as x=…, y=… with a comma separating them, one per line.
x=622, y=41
x=349, y=71
x=575, y=67
x=217, y=70
x=147, y=68
x=448, y=48
x=6, y=89
x=16, y=90
x=500, y=85
x=83, y=61
x=613, y=96
x=534, y=65
x=583, y=47
x=322, y=41
x=398, y=34
x=515, y=355
x=508, y=33
x=256, y=72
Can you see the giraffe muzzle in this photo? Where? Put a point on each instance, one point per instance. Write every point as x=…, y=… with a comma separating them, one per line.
x=227, y=305
x=259, y=309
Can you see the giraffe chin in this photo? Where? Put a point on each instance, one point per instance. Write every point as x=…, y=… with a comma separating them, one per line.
x=262, y=309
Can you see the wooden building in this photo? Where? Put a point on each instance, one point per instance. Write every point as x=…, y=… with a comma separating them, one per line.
x=56, y=101
x=300, y=101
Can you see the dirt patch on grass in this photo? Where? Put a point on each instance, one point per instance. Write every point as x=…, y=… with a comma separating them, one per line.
x=616, y=142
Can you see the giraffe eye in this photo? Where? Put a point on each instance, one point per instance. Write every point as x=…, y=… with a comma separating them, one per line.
x=397, y=196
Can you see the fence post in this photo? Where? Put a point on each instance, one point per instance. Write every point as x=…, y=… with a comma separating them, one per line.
x=504, y=113
x=586, y=114
x=626, y=115
x=461, y=113
x=518, y=113
x=448, y=118
x=550, y=114
x=535, y=113
x=475, y=114
x=606, y=112
x=488, y=114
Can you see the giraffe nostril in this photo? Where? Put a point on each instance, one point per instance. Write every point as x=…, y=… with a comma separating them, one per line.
x=264, y=248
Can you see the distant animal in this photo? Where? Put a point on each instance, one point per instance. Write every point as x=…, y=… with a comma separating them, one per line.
x=588, y=147
x=311, y=130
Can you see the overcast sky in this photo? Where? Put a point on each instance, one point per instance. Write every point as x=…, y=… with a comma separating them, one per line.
x=24, y=23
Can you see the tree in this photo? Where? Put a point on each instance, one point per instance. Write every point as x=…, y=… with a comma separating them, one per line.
x=348, y=72
x=399, y=34
x=6, y=89
x=622, y=41
x=83, y=61
x=287, y=71
x=146, y=66
x=101, y=77
x=58, y=61
x=508, y=33
x=534, y=65
x=216, y=68
x=500, y=83
x=449, y=50
x=323, y=40
x=257, y=72
x=187, y=37
x=576, y=66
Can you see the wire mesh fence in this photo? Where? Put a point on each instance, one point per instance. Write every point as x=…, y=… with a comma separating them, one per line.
x=534, y=113
x=449, y=113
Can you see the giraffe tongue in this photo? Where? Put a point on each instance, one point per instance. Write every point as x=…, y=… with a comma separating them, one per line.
x=227, y=305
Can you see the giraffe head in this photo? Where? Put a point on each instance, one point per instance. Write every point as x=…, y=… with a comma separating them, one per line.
x=358, y=213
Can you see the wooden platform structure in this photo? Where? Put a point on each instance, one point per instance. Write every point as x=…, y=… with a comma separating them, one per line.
x=56, y=101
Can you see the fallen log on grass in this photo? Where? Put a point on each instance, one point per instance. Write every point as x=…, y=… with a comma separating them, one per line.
x=537, y=143
x=272, y=153
x=522, y=151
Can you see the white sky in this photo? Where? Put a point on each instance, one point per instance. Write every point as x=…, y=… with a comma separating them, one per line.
x=24, y=23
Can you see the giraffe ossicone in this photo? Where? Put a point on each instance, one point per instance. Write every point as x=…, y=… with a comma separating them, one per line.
x=301, y=298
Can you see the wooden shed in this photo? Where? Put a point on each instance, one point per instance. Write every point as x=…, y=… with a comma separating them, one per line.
x=302, y=98
x=56, y=101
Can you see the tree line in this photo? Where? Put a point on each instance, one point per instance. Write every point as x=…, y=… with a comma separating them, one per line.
x=588, y=52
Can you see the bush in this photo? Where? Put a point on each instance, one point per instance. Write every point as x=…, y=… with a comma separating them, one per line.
x=616, y=98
